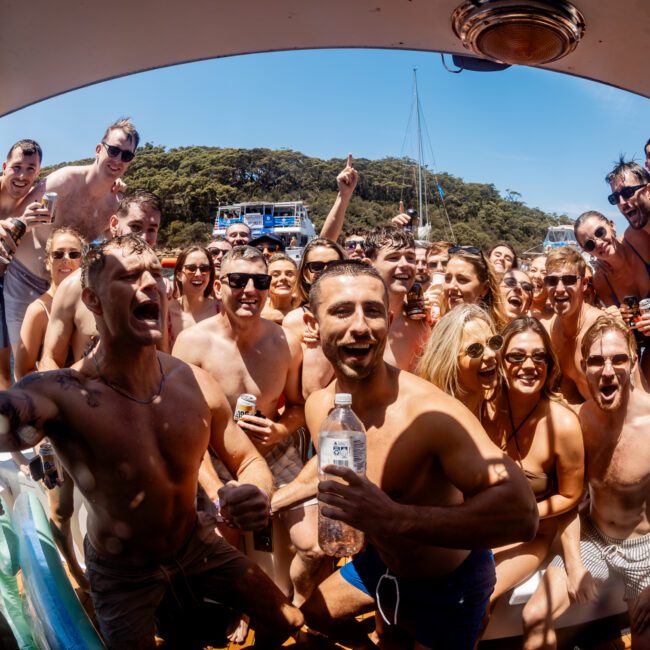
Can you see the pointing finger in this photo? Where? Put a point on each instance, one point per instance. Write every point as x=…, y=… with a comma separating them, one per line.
x=401, y=207
x=349, y=160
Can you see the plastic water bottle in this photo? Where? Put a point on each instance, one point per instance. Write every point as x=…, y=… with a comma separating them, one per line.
x=342, y=442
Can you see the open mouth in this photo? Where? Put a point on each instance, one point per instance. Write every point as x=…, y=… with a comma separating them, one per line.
x=356, y=350
x=515, y=301
x=403, y=277
x=147, y=312
x=609, y=390
x=489, y=373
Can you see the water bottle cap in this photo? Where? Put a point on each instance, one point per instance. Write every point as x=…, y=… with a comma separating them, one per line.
x=343, y=399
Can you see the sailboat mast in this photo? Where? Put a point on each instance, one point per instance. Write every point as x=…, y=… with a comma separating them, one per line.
x=420, y=148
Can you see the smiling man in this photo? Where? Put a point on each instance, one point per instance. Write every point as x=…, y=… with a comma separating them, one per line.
x=238, y=234
x=87, y=197
x=391, y=250
x=611, y=541
x=565, y=281
x=437, y=490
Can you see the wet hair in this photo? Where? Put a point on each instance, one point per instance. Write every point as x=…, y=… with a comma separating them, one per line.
x=303, y=285
x=348, y=268
x=248, y=253
x=28, y=147
x=124, y=124
x=387, y=237
x=142, y=198
x=515, y=259
x=590, y=214
x=282, y=257
x=563, y=256
x=627, y=166
x=93, y=259
x=180, y=263
x=352, y=232
x=439, y=247
x=553, y=372
x=600, y=327
x=439, y=361
x=483, y=269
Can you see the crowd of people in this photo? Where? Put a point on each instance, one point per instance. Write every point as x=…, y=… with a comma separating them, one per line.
x=506, y=403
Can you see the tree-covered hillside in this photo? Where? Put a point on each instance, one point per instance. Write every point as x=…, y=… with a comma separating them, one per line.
x=193, y=181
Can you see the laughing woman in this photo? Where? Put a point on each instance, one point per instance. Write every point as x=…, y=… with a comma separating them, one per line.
x=516, y=290
x=541, y=435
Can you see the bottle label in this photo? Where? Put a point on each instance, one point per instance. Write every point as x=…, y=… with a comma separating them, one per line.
x=344, y=452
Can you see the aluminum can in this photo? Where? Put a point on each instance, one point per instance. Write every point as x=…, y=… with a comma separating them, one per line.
x=49, y=463
x=246, y=404
x=17, y=229
x=48, y=201
x=415, y=303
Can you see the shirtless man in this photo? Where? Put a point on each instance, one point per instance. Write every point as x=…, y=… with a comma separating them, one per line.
x=565, y=281
x=218, y=248
x=248, y=354
x=612, y=539
x=87, y=197
x=71, y=324
x=143, y=532
x=238, y=234
x=422, y=274
x=391, y=250
x=435, y=488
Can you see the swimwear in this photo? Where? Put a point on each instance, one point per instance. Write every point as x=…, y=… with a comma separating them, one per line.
x=125, y=597
x=4, y=333
x=21, y=288
x=448, y=611
x=542, y=484
x=612, y=293
x=607, y=558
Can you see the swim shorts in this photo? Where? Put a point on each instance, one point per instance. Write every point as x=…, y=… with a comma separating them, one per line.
x=447, y=612
x=125, y=597
x=607, y=558
x=4, y=333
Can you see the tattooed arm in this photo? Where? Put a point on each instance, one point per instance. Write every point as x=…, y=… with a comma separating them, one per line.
x=24, y=410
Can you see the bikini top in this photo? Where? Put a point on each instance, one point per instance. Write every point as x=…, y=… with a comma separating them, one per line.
x=543, y=484
x=612, y=293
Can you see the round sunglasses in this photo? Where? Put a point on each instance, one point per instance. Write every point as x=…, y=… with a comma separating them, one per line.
x=590, y=244
x=513, y=282
x=477, y=350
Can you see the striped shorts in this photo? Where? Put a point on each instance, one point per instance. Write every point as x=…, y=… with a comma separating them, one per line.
x=607, y=558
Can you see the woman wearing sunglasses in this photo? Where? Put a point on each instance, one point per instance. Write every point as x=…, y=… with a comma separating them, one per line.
x=541, y=434
x=319, y=253
x=469, y=279
x=192, y=299
x=62, y=257
x=516, y=289
x=460, y=356
x=620, y=270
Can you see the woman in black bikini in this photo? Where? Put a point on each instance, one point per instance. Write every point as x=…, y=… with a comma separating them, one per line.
x=541, y=434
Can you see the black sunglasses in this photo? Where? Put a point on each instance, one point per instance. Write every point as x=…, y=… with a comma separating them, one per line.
x=352, y=244
x=626, y=193
x=590, y=244
x=217, y=252
x=71, y=255
x=598, y=361
x=519, y=357
x=472, y=250
x=554, y=280
x=513, y=282
x=192, y=268
x=271, y=248
x=318, y=267
x=476, y=350
x=261, y=281
x=114, y=152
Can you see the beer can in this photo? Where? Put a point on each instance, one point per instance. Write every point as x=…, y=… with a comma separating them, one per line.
x=415, y=303
x=48, y=201
x=644, y=305
x=16, y=229
x=246, y=404
x=50, y=470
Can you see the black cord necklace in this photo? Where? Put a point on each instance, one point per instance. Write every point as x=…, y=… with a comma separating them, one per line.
x=516, y=429
x=128, y=395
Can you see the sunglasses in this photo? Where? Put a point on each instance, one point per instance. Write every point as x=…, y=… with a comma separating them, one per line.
x=554, y=280
x=519, y=357
x=513, y=282
x=217, y=252
x=192, y=268
x=352, y=244
x=599, y=361
x=261, y=281
x=626, y=193
x=590, y=244
x=472, y=250
x=114, y=152
x=477, y=350
x=71, y=255
x=318, y=267
x=271, y=248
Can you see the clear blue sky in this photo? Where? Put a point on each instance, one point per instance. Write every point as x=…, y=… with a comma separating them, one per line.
x=548, y=136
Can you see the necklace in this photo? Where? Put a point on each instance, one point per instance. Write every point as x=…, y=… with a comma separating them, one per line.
x=128, y=395
x=516, y=429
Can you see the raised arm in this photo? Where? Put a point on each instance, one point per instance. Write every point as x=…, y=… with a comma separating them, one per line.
x=346, y=182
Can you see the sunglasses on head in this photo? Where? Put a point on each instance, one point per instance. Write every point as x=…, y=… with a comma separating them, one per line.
x=513, y=282
x=472, y=250
x=626, y=193
x=114, y=152
x=477, y=350
x=590, y=244
x=519, y=357
x=71, y=255
x=554, y=280
x=192, y=268
x=353, y=243
x=318, y=267
x=599, y=361
x=261, y=281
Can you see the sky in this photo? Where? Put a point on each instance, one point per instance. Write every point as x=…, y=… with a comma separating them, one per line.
x=548, y=136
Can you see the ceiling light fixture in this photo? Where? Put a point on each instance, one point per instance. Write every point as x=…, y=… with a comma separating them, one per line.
x=519, y=33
